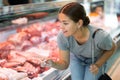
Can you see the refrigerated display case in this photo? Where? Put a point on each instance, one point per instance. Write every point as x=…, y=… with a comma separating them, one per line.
x=44, y=30
x=38, y=43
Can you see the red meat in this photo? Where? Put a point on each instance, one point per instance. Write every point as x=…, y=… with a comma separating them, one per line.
x=35, y=40
x=30, y=69
x=5, y=48
x=32, y=57
x=26, y=45
x=37, y=15
x=18, y=38
x=3, y=76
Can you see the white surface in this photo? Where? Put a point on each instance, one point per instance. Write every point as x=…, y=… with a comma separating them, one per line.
x=111, y=21
x=49, y=75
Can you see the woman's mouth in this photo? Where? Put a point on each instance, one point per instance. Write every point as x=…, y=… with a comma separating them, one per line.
x=64, y=31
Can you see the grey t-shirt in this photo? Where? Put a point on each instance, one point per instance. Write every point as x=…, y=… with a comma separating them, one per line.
x=102, y=41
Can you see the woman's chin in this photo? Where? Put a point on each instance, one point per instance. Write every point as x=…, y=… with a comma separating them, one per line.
x=66, y=35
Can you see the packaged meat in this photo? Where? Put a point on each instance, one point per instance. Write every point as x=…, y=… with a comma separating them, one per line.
x=20, y=21
x=36, y=15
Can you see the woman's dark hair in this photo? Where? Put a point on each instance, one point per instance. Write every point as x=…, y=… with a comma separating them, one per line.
x=75, y=11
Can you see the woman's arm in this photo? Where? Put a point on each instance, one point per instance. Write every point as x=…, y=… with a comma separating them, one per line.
x=106, y=55
x=63, y=62
x=94, y=68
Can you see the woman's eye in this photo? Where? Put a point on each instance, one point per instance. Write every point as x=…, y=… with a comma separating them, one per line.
x=65, y=23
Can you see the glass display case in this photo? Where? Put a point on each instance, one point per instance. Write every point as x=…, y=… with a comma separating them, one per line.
x=36, y=38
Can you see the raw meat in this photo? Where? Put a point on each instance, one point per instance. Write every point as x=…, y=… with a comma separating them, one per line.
x=20, y=21
x=37, y=15
x=18, y=38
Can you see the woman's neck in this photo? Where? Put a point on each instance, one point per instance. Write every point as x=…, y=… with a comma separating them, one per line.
x=82, y=35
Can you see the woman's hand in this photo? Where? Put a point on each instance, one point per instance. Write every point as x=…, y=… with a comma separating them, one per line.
x=94, y=69
x=47, y=63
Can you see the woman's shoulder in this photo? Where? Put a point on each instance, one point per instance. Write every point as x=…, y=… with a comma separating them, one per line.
x=62, y=41
x=94, y=28
x=98, y=31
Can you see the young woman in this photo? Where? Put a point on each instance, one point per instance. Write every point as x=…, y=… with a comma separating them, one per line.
x=76, y=44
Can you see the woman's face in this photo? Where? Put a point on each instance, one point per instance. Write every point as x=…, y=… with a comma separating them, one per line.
x=68, y=26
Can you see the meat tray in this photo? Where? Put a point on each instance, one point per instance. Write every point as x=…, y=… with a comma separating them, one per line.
x=27, y=46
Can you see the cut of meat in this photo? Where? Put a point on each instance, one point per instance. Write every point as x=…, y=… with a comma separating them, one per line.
x=37, y=15
x=11, y=64
x=14, y=56
x=20, y=21
x=3, y=76
x=35, y=40
x=26, y=45
x=30, y=69
x=5, y=48
x=32, y=57
x=18, y=38
x=2, y=62
x=12, y=74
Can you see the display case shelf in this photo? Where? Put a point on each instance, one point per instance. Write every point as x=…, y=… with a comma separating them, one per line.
x=9, y=12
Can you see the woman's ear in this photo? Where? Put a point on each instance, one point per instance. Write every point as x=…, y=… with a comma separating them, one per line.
x=80, y=23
